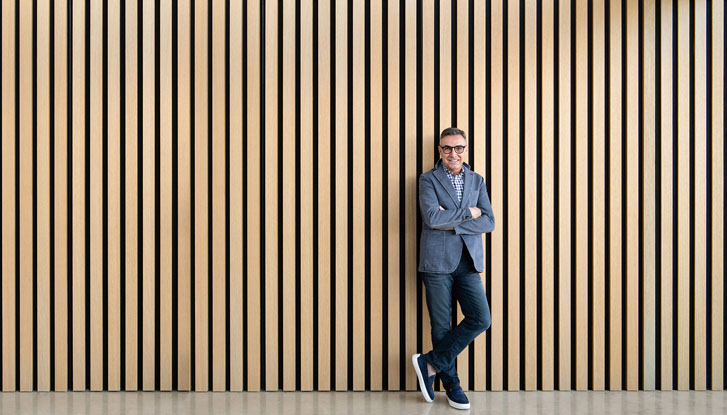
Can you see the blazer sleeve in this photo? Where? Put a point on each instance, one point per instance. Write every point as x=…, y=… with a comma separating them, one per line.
x=429, y=204
x=483, y=224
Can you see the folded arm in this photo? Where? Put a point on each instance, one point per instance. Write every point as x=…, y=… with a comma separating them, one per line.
x=432, y=215
x=484, y=223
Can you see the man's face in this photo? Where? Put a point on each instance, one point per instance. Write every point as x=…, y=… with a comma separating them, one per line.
x=453, y=161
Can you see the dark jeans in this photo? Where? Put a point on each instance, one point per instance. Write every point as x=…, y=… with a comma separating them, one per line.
x=467, y=288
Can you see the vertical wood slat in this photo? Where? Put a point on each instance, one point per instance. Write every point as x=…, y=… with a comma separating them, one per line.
x=497, y=195
x=462, y=121
x=683, y=189
x=598, y=310
x=96, y=253
x=667, y=197
x=341, y=143
x=219, y=165
x=564, y=196
x=325, y=143
x=530, y=357
x=306, y=201
x=699, y=273
x=60, y=198
x=358, y=200
x=114, y=197
x=131, y=142
x=79, y=197
x=581, y=197
x=8, y=197
x=376, y=197
x=631, y=296
x=148, y=197
x=201, y=207
x=548, y=192
x=165, y=195
x=717, y=196
x=615, y=196
x=410, y=189
x=513, y=197
x=289, y=273
x=271, y=197
x=394, y=187
x=237, y=150
x=43, y=177
x=25, y=195
x=480, y=159
x=648, y=325
x=184, y=197
x=427, y=137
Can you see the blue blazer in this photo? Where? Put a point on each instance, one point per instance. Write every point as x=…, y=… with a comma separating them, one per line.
x=440, y=249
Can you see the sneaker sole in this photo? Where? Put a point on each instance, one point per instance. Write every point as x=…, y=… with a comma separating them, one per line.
x=422, y=386
x=456, y=405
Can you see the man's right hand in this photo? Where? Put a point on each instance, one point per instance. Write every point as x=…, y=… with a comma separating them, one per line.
x=476, y=212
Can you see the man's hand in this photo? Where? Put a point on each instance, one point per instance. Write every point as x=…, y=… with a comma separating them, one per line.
x=476, y=212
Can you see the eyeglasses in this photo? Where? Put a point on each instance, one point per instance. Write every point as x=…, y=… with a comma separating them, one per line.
x=448, y=149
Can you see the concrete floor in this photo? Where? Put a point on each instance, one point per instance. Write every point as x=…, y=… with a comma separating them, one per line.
x=400, y=403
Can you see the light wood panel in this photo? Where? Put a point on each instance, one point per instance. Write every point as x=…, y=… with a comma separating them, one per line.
x=25, y=196
x=667, y=198
x=497, y=195
x=376, y=196
x=717, y=152
x=184, y=197
x=9, y=246
x=165, y=195
x=43, y=176
x=615, y=208
x=219, y=191
x=148, y=192
x=113, y=227
x=530, y=355
x=60, y=196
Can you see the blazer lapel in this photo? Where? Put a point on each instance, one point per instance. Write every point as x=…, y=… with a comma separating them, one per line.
x=468, y=180
x=444, y=180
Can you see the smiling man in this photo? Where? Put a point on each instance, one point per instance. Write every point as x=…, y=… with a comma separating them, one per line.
x=455, y=211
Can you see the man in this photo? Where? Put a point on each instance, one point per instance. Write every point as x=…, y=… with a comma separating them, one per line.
x=455, y=213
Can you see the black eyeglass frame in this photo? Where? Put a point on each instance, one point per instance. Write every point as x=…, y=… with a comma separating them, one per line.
x=448, y=149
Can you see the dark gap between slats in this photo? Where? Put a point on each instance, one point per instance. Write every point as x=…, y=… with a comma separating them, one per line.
x=658, y=272
x=105, y=193
x=245, y=228
x=402, y=194
x=505, y=203
x=157, y=200
x=227, y=204
x=298, y=193
x=87, y=191
x=122, y=196
x=368, y=272
x=573, y=188
x=556, y=203
x=69, y=184
x=521, y=189
x=315, y=190
x=52, y=123
x=385, y=116
x=192, y=203
x=692, y=136
x=419, y=152
x=591, y=176
x=139, y=196
x=607, y=197
x=210, y=212
x=474, y=140
x=35, y=194
x=709, y=270
x=349, y=125
x=641, y=128
x=488, y=180
x=263, y=192
x=280, y=360
x=624, y=148
x=17, y=197
x=332, y=166
x=175, y=197
x=539, y=191
x=675, y=189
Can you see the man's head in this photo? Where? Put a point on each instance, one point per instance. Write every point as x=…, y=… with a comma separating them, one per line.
x=453, y=148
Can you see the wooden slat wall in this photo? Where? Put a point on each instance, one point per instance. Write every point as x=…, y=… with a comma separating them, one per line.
x=219, y=195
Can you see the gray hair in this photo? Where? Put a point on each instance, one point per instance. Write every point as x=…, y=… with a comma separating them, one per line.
x=452, y=131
